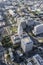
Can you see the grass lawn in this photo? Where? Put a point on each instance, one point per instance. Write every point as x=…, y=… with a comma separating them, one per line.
x=14, y=29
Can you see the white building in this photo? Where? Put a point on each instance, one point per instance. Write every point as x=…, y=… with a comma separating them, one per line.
x=2, y=23
x=11, y=54
x=20, y=31
x=24, y=35
x=38, y=29
x=37, y=60
x=8, y=7
x=26, y=44
x=15, y=39
x=22, y=22
x=10, y=11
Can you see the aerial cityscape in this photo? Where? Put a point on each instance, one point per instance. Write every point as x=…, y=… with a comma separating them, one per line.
x=21, y=32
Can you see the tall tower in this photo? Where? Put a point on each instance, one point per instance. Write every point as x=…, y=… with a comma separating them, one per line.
x=20, y=31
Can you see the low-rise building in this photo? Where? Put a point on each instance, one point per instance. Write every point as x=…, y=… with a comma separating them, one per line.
x=38, y=29
x=37, y=60
x=30, y=22
x=10, y=11
x=16, y=40
x=2, y=23
x=24, y=35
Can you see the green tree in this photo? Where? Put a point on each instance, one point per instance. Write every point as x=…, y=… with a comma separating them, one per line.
x=6, y=42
